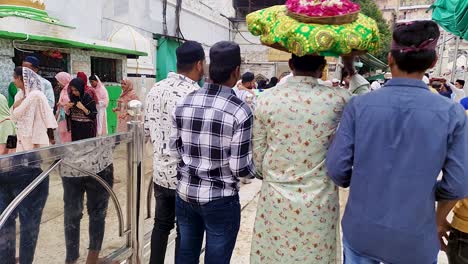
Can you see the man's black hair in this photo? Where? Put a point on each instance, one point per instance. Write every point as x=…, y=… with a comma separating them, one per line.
x=274, y=80
x=224, y=59
x=262, y=84
x=412, y=35
x=248, y=77
x=461, y=82
x=185, y=67
x=308, y=63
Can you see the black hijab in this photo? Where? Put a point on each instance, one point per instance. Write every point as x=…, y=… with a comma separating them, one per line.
x=84, y=97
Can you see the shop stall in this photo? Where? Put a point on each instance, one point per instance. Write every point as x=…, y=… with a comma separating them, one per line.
x=27, y=30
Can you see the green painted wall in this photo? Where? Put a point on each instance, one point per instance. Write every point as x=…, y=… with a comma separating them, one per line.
x=114, y=94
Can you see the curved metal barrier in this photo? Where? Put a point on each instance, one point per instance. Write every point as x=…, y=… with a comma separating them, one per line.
x=130, y=226
x=113, y=196
x=18, y=199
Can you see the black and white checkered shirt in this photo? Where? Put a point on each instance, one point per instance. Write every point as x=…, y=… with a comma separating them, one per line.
x=212, y=136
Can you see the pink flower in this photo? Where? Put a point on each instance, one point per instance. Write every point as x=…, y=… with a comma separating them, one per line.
x=327, y=8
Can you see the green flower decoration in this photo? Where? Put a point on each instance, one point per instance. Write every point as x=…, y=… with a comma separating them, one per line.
x=276, y=29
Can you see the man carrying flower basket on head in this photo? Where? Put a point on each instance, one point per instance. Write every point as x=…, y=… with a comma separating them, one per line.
x=298, y=211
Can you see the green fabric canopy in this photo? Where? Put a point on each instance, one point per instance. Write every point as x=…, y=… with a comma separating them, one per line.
x=166, y=59
x=452, y=15
x=376, y=77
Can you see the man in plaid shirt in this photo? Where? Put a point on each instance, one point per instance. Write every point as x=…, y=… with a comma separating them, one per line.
x=212, y=137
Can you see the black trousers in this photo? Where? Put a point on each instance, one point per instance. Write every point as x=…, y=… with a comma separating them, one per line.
x=164, y=221
x=457, y=250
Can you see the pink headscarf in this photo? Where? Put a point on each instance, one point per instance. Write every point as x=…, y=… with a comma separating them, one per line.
x=64, y=79
x=101, y=92
x=128, y=94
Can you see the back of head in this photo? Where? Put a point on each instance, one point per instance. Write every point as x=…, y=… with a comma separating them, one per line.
x=93, y=78
x=308, y=63
x=83, y=77
x=63, y=78
x=274, y=80
x=413, y=46
x=225, y=58
x=461, y=82
x=19, y=71
x=262, y=84
x=188, y=54
x=34, y=61
x=248, y=77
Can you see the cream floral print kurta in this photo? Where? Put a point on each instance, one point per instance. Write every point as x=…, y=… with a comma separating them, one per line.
x=298, y=209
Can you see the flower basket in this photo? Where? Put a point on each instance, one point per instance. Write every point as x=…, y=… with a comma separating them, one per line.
x=283, y=32
x=325, y=20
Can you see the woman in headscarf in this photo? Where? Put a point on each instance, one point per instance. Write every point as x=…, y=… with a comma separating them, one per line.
x=95, y=157
x=82, y=111
x=7, y=127
x=102, y=103
x=63, y=79
x=128, y=94
x=33, y=116
x=88, y=89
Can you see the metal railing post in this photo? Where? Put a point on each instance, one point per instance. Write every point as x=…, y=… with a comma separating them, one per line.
x=135, y=182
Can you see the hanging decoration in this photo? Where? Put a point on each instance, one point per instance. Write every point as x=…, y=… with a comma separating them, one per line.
x=55, y=54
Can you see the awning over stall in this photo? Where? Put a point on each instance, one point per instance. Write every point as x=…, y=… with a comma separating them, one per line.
x=69, y=43
x=372, y=62
x=28, y=22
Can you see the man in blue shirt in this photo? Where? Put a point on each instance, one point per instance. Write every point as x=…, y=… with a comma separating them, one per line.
x=389, y=149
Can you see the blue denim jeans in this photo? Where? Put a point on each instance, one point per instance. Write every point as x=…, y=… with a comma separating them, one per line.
x=97, y=200
x=353, y=257
x=29, y=211
x=221, y=221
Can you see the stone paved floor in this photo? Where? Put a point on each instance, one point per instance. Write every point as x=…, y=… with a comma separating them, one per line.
x=241, y=252
x=51, y=246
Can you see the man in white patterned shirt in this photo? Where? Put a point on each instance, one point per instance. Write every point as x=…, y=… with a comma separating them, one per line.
x=160, y=103
x=212, y=135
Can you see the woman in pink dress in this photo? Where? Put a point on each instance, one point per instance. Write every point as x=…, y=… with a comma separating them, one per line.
x=63, y=79
x=102, y=103
x=128, y=94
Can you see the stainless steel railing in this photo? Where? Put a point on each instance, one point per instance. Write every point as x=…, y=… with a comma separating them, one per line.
x=133, y=229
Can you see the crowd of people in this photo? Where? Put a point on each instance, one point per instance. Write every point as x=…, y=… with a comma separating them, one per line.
x=33, y=118
x=400, y=147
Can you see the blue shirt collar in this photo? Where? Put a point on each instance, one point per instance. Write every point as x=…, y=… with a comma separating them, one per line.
x=406, y=82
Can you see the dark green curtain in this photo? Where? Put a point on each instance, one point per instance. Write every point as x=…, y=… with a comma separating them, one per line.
x=12, y=90
x=166, y=60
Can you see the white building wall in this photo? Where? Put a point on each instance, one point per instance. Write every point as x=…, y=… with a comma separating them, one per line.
x=254, y=54
x=200, y=20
